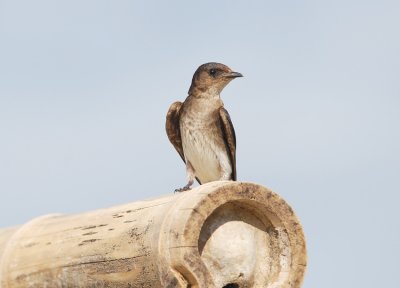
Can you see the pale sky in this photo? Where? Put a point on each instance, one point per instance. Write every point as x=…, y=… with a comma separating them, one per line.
x=85, y=86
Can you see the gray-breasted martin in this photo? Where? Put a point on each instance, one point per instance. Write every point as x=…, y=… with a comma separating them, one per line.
x=201, y=130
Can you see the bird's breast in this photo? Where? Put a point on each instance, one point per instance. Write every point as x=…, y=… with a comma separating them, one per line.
x=204, y=148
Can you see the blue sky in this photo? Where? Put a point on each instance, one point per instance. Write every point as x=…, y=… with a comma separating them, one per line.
x=85, y=86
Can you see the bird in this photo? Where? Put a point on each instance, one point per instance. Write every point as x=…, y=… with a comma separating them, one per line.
x=201, y=129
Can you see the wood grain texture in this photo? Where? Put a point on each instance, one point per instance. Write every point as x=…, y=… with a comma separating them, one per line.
x=217, y=234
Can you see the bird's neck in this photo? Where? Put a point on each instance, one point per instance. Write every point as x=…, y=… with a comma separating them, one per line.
x=202, y=107
x=212, y=92
x=207, y=99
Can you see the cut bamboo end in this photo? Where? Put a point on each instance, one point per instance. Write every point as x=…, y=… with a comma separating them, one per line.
x=221, y=234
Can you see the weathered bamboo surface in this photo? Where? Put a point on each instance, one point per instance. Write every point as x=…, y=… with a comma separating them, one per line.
x=221, y=234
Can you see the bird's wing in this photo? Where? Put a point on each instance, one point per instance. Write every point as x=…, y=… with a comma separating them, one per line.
x=229, y=138
x=172, y=128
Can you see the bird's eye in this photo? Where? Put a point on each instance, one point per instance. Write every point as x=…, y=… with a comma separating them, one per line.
x=213, y=72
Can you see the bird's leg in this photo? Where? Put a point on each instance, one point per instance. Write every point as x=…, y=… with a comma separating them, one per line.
x=190, y=174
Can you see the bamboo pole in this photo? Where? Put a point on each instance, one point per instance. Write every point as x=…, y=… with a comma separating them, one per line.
x=221, y=234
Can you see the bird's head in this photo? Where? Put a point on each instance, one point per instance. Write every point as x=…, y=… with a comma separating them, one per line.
x=211, y=78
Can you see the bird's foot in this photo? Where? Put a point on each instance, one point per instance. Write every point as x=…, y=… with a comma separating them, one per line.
x=183, y=189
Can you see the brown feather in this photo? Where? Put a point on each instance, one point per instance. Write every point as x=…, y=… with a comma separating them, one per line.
x=229, y=138
x=172, y=127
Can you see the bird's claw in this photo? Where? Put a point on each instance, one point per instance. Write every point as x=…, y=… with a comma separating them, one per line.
x=183, y=189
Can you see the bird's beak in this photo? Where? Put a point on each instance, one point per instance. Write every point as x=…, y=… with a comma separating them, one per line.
x=232, y=75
